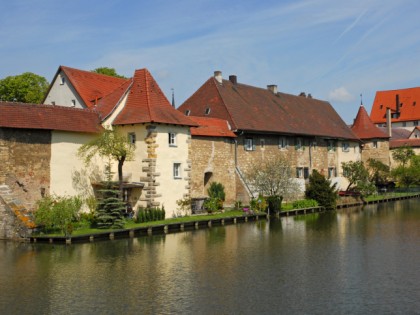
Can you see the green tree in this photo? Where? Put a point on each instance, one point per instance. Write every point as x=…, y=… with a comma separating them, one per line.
x=27, y=87
x=108, y=71
x=403, y=155
x=109, y=212
x=378, y=172
x=358, y=177
x=60, y=213
x=112, y=145
x=321, y=190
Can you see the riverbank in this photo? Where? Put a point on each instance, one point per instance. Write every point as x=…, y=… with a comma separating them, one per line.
x=198, y=222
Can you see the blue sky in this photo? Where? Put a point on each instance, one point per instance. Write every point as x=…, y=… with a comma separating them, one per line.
x=333, y=49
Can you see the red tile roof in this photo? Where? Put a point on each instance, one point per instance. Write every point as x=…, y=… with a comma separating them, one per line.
x=48, y=117
x=404, y=142
x=260, y=110
x=146, y=103
x=409, y=111
x=364, y=128
x=211, y=127
x=91, y=86
x=109, y=102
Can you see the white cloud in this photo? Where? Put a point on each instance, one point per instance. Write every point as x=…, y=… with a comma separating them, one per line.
x=340, y=95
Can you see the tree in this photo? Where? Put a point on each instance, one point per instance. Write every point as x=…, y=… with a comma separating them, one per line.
x=112, y=145
x=273, y=178
x=109, y=212
x=378, y=172
x=108, y=71
x=403, y=155
x=321, y=190
x=27, y=87
x=358, y=177
x=408, y=172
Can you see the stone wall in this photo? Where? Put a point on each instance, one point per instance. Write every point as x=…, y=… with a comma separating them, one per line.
x=25, y=163
x=213, y=160
x=380, y=152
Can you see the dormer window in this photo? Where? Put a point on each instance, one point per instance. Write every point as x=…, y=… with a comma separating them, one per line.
x=187, y=112
x=207, y=112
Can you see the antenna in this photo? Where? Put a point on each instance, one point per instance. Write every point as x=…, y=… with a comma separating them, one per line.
x=361, y=99
x=173, y=98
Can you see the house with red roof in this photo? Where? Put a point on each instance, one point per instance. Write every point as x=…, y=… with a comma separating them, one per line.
x=78, y=106
x=38, y=146
x=267, y=123
x=403, y=105
x=159, y=175
x=375, y=141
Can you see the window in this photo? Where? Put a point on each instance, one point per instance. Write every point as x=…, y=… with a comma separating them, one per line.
x=187, y=112
x=52, y=103
x=172, y=139
x=177, y=170
x=331, y=172
x=306, y=172
x=375, y=144
x=299, y=172
x=262, y=143
x=298, y=145
x=404, y=124
x=416, y=123
x=283, y=143
x=62, y=80
x=346, y=147
x=132, y=138
x=330, y=145
x=208, y=110
x=314, y=144
x=249, y=144
x=73, y=103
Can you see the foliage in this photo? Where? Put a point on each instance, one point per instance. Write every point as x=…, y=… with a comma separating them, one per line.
x=274, y=203
x=305, y=203
x=273, y=178
x=358, y=177
x=321, y=190
x=150, y=214
x=184, y=206
x=378, y=172
x=403, y=155
x=110, y=209
x=238, y=205
x=108, y=71
x=54, y=212
x=27, y=87
x=112, y=145
x=216, y=190
x=212, y=204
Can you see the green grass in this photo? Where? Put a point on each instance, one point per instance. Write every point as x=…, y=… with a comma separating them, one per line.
x=388, y=195
x=130, y=224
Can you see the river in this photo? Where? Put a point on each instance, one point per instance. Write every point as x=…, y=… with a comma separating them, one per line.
x=353, y=261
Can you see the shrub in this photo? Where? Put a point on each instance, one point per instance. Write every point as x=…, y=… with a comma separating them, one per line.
x=212, y=204
x=321, y=190
x=274, y=203
x=216, y=190
x=60, y=213
x=305, y=203
x=150, y=214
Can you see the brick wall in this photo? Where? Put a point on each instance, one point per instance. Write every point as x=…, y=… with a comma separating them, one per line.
x=25, y=162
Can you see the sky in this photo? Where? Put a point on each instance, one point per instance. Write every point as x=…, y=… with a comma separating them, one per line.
x=333, y=49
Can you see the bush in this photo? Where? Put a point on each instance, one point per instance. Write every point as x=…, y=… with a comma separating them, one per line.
x=58, y=213
x=305, y=203
x=212, y=204
x=150, y=214
x=320, y=189
x=274, y=203
x=216, y=190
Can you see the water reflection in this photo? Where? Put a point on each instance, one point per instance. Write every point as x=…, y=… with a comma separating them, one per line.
x=352, y=261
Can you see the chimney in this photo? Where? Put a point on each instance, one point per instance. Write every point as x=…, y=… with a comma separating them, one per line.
x=218, y=76
x=397, y=103
x=272, y=88
x=388, y=121
x=309, y=95
x=233, y=79
x=302, y=94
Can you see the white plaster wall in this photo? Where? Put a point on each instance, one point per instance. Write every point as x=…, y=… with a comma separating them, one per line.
x=63, y=94
x=170, y=188
x=353, y=154
x=64, y=163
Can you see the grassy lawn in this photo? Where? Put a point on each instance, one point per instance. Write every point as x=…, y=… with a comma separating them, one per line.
x=130, y=224
x=388, y=195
